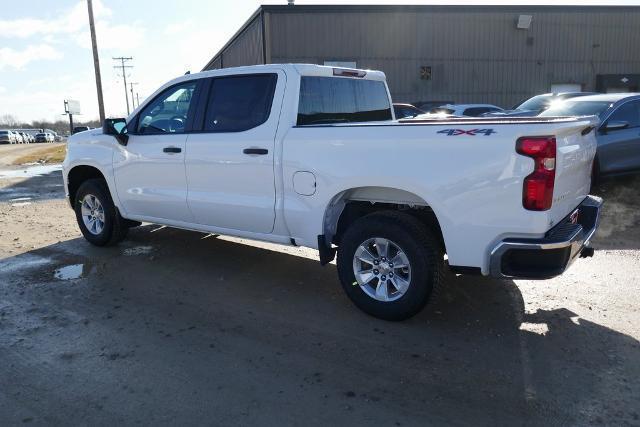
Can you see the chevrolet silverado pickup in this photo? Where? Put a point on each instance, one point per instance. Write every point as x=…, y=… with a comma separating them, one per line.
x=313, y=156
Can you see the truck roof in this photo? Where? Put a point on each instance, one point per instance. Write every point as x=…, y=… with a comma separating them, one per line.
x=300, y=69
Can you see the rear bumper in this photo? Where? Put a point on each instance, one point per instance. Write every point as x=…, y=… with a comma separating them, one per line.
x=551, y=255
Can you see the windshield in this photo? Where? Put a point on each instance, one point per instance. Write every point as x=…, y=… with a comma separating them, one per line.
x=578, y=108
x=536, y=103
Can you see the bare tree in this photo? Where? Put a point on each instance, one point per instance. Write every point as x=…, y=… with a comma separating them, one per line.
x=8, y=120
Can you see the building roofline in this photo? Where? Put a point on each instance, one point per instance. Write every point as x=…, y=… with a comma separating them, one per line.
x=237, y=34
x=410, y=8
x=435, y=7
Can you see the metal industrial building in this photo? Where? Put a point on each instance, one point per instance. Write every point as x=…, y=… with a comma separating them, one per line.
x=464, y=54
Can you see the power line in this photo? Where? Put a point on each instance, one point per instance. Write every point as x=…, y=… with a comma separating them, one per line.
x=122, y=60
x=96, y=61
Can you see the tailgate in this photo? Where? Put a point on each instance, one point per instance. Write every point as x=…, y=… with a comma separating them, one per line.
x=576, y=148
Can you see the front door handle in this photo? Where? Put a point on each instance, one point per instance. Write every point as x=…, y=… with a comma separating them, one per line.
x=258, y=151
x=172, y=150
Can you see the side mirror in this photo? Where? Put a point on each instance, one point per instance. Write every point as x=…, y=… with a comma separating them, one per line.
x=116, y=128
x=615, y=125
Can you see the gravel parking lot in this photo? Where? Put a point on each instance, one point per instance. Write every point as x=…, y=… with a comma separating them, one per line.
x=176, y=327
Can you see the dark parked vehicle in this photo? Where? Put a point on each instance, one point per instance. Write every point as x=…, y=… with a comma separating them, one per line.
x=537, y=104
x=618, y=135
x=406, y=111
x=80, y=129
x=42, y=137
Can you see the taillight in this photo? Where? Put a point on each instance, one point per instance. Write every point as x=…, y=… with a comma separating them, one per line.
x=537, y=191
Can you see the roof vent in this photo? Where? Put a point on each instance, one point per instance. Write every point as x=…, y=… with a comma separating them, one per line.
x=290, y=2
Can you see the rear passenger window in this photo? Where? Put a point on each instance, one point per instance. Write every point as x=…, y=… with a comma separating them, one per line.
x=342, y=100
x=239, y=103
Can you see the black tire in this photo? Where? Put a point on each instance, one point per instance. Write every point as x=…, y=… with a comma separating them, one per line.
x=419, y=245
x=114, y=229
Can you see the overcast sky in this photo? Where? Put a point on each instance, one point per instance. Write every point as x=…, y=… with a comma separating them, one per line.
x=45, y=48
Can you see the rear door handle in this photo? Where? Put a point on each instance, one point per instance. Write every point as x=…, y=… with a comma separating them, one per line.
x=172, y=150
x=258, y=151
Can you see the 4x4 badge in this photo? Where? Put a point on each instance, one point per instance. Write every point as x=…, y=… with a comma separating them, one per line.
x=472, y=132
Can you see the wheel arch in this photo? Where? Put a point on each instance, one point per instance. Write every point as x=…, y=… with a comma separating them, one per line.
x=351, y=204
x=79, y=174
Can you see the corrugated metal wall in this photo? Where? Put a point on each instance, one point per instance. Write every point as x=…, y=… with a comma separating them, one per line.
x=246, y=49
x=475, y=56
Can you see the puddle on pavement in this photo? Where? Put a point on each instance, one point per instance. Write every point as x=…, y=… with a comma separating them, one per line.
x=137, y=250
x=20, y=201
x=30, y=172
x=73, y=271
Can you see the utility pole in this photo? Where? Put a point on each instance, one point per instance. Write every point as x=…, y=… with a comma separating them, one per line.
x=122, y=60
x=137, y=99
x=96, y=61
x=133, y=104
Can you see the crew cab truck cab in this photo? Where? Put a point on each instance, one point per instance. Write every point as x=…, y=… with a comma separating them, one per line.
x=312, y=156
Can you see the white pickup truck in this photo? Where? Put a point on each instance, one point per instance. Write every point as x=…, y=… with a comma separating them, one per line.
x=312, y=156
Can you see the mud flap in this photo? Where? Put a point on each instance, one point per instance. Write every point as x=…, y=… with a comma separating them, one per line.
x=327, y=253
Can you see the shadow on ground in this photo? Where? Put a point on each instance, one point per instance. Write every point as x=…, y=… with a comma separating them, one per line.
x=620, y=222
x=177, y=327
x=38, y=187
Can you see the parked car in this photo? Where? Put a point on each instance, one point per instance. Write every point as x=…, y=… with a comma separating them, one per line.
x=19, y=139
x=618, y=134
x=406, y=111
x=309, y=155
x=25, y=137
x=428, y=105
x=6, y=137
x=42, y=137
x=537, y=104
x=465, y=110
x=80, y=129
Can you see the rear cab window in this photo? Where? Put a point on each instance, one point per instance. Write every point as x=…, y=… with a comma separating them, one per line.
x=327, y=100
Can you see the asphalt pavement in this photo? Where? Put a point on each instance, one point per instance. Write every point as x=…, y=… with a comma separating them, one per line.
x=176, y=327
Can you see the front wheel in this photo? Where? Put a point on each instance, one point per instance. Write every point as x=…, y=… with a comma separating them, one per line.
x=390, y=265
x=97, y=216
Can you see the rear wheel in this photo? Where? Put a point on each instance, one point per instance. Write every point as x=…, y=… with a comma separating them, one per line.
x=97, y=216
x=390, y=265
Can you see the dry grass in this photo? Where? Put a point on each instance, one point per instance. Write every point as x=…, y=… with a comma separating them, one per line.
x=45, y=155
